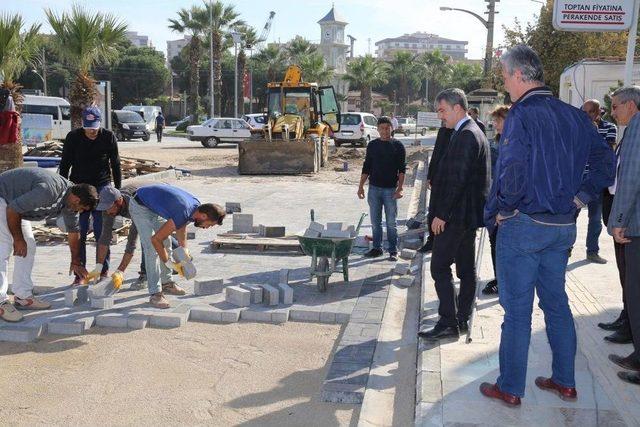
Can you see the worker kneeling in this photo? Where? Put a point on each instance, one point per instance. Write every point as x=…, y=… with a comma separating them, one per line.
x=158, y=211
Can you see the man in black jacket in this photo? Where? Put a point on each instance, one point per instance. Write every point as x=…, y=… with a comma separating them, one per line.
x=459, y=190
x=91, y=154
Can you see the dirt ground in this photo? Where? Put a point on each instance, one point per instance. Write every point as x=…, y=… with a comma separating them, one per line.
x=240, y=374
x=222, y=162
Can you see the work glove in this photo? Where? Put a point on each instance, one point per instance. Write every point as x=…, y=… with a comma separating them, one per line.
x=117, y=278
x=95, y=273
x=188, y=254
x=177, y=266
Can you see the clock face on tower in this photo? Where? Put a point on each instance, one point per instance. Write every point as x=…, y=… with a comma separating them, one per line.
x=327, y=35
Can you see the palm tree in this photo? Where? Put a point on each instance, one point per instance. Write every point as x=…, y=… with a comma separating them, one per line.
x=366, y=73
x=435, y=68
x=224, y=19
x=84, y=39
x=272, y=58
x=405, y=71
x=17, y=49
x=298, y=49
x=249, y=40
x=193, y=23
x=314, y=69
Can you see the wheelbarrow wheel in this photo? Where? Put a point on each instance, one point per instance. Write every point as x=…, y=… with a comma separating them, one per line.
x=323, y=276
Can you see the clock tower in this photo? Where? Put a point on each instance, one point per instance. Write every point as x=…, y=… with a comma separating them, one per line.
x=334, y=49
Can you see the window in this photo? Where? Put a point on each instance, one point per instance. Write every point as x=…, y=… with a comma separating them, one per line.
x=240, y=124
x=128, y=117
x=50, y=110
x=66, y=112
x=223, y=124
x=350, y=120
x=371, y=121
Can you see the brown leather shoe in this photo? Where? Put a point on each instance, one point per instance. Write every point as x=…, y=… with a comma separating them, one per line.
x=628, y=362
x=565, y=393
x=159, y=301
x=172, y=289
x=492, y=391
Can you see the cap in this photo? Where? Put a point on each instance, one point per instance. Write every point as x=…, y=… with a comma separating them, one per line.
x=91, y=117
x=108, y=196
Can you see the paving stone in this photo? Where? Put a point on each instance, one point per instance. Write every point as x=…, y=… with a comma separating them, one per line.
x=231, y=316
x=137, y=321
x=242, y=223
x=272, y=230
x=19, y=333
x=354, y=353
x=304, y=315
x=327, y=317
x=70, y=326
x=405, y=281
x=312, y=233
x=205, y=314
x=284, y=276
x=361, y=242
x=402, y=267
x=286, y=293
x=343, y=317
x=408, y=253
x=103, y=303
x=170, y=319
x=316, y=226
x=412, y=243
x=352, y=230
x=256, y=292
x=270, y=295
x=237, y=296
x=261, y=314
x=342, y=393
x=232, y=207
x=280, y=316
x=334, y=226
x=112, y=320
x=207, y=286
x=335, y=234
x=76, y=295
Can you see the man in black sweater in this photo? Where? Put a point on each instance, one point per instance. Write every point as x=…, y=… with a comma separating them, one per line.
x=91, y=154
x=384, y=167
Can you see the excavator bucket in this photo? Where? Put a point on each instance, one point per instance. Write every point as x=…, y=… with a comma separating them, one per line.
x=279, y=157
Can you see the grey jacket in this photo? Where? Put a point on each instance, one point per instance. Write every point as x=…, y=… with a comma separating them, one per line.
x=128, y=191
x=37, y=194
x=625, y=212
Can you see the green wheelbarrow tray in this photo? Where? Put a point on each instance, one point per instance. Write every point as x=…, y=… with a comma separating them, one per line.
x=326, y=252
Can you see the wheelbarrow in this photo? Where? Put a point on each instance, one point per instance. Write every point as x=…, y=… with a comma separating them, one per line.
x=327, y=253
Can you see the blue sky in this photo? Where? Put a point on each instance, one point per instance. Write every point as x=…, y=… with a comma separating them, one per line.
x=374, y=19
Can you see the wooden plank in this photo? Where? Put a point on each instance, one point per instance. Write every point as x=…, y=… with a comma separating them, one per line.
x=257, y=241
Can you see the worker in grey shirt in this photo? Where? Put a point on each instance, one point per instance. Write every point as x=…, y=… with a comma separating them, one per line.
x=33, y=194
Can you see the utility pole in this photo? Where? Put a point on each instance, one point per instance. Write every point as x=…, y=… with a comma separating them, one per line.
x=44, y=72
x=211, y=77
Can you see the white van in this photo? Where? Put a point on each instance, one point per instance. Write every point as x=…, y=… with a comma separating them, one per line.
x=356, y=128
x=58, y=108
x=149, y=113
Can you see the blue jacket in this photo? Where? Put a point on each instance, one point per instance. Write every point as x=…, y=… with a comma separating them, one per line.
x=544, y=149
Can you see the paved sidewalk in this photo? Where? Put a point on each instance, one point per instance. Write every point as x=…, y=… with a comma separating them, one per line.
x=450, y=373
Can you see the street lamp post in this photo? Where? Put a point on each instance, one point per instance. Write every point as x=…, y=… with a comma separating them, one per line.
x=237, y=39
x=211, y=77
x=488, y=23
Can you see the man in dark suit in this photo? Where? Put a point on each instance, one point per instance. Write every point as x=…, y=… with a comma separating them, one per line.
x=442, y=139
x=459, y=190
x=474, y=113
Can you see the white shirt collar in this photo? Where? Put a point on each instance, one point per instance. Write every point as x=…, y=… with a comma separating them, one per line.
x=461, y=122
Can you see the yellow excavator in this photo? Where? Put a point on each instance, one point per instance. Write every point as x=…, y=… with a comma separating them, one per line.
x=301, y=116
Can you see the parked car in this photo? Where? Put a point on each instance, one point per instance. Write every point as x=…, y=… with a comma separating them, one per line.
x=219, y=129
x=356, y=128
x=129, y=125
x=181, y=125
x=256, y=121
x=148, y=113
x=58, y=108
x=407, y=125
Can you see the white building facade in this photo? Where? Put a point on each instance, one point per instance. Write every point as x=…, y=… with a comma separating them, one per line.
x=418, y=43
x=138, y=40
x=334, y=49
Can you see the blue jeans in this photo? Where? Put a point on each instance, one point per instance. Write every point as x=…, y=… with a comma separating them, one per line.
x=533, y=256
x=148, y=223
x=378, y=198
x=97, y=232
x=595, y=225
x=143, y=270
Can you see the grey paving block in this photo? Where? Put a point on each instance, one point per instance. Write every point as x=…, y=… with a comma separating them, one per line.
x=335, y=234
x=312, y=233
x=75, y=295
x=231, y=316
x=207, y=286
x=205, y=314
x=70, y=326
x=169, y=319
x=137, y=321
x=405, y=281
x=342, y=393
x=354, y=354
x=279, y=316
x=286, y=293
x=232, y=207
x=242, y=223
x=270, y=295
x=237, y=296
x=343, y=317
x=402, y=267
x=272, y=230
x=102, y=303
x=352, y=230
x=408, y=253
x=256, y=292
x=256, y=315
x=284, y=276
x=112, y=320
x=316, y=226
x=412, y=243
x=19, y=333
x=334, y=226
x=304, y=315
x=327, y=317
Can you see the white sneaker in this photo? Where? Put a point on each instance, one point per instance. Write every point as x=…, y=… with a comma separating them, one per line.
x=9, y=313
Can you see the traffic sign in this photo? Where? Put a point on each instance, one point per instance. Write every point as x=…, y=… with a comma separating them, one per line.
x=428, y=119
x=593, y=15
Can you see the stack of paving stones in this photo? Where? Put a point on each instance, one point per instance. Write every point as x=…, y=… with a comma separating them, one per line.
x=333, y=230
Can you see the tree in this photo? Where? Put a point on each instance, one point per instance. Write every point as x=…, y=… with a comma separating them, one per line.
x=272, y=58
x=435, y=70
x=84, y=39
x=141, y=73
x=192, y=22
x=406, y=74
x=299, y=48
x=249, y=40
x=314, y=68
x=366, y=72
x=224, y=20
x=560, y=49
x=467, y=77
x=17, y=49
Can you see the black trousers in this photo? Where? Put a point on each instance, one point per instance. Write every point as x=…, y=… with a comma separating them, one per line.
x=454, y=244
x=159, y=130
x=619, y=250
x=493, y=239
x=632, y=291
